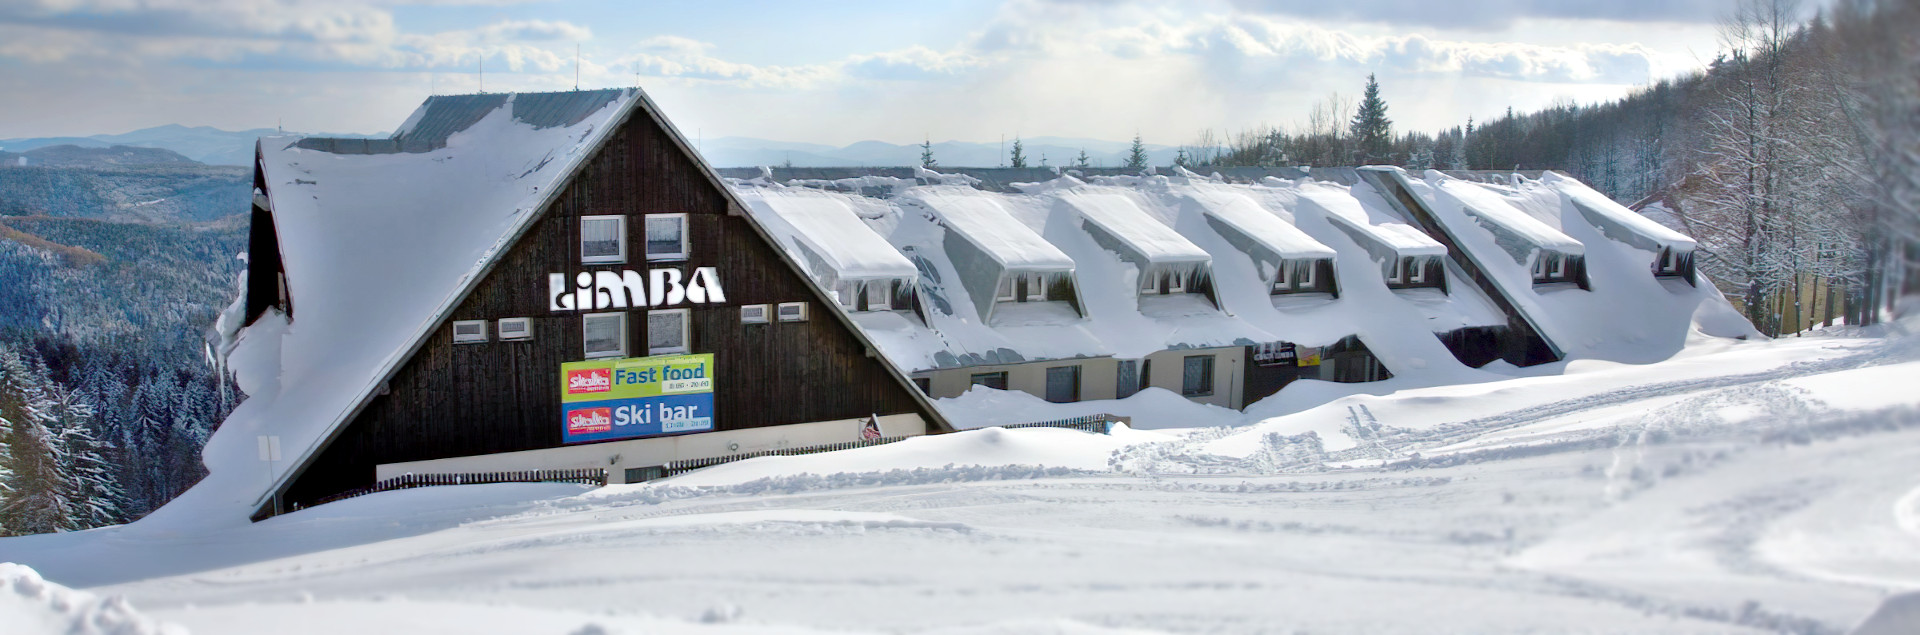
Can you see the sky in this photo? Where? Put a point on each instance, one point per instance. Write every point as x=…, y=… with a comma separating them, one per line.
x=834, y=72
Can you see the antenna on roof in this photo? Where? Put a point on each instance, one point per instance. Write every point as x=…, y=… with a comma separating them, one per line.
x=576, y=66
x=483, y=73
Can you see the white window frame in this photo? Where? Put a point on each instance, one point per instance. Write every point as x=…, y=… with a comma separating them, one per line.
x=686, y=238
x=1149, y=284
x=1176, y=283
x=1283, y=280
x=615, y=259
x=1007, y=290
x=526, y=329
x=1036, y=288
x=590, y=317
x=1417, y=270
x=847, y=293
x=879, y=294
x=1559, y=268
x=1307, y=269
x=686, y=333
x=800, y=315
x=754, y=314
x=1396, y=270
x=479, y=338
x=1540, y=266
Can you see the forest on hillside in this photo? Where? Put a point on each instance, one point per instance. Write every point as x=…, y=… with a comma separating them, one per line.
x=1794, y=158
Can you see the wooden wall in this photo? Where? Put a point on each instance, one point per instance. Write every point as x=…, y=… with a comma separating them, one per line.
x=455, y=400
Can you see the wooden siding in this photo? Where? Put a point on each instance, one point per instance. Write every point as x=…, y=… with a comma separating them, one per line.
x=456, y=400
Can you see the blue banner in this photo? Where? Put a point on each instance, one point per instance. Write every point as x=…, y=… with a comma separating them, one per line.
x=638, y=417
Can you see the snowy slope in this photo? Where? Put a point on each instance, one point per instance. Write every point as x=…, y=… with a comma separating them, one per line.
x=1743, y=487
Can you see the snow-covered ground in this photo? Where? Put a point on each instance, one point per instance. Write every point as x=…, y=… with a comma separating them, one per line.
x=1740, y=487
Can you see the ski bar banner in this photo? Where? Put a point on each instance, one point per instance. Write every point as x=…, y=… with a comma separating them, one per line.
x=636, y=397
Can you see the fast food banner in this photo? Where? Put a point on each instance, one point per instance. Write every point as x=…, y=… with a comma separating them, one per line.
x=636, y=397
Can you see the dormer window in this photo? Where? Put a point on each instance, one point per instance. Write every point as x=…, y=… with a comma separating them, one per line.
x=666, y=237
x=603, y=240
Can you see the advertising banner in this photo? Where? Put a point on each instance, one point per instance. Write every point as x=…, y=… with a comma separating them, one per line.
x=636, y=397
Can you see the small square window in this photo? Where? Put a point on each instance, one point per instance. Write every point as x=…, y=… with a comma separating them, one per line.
x=1307, y=269
x=1006, y=289
x=469, y=331
x=1560, y=266
x=848, y=293
x=753, y=314
x=603, y=239
x=792, y=312
x=666, y=237
x=1063, y=384
x=1176, y=283
x=1149, y=283
x=1036, y=288
x=1396, y=270
x=669, y=332
x=516, y=329
x=925, y=384
x=879, y=294
x=1417, y=270
x=604, y=334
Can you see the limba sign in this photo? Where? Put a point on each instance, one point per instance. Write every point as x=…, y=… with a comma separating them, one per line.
x=636, y=397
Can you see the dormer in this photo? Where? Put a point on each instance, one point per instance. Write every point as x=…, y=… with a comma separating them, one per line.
x=1552, y=257
x=1288, y=260
x=1167, y=263
x=1408, y=258
x=1004, y=265
x=1671, y=251
x=862, y=271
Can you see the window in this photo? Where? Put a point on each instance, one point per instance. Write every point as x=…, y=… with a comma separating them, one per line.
x=879, y=295
x=669, y=332
x=1176, y=283
x=1149, y=283
x=1307, y=269
x=666, y=237
x=1063, y=384
x=847, y=294
x=925, y=384
x=1396, y=270
x=1197, y=379
x=1283, y=281
x=469, y=331
x=603, y=239
x=791, y=312
x=1540, y=266
x=1560, y=266
x=1036, y=288
x=1005, y=294
x=996, y=381
x=753, y=314
x=516, y=329
x=1417, y=270
x=1126, y=380
x=604, y=334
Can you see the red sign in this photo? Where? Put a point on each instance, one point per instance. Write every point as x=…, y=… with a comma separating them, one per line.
x=590, y=420
x=589, y=380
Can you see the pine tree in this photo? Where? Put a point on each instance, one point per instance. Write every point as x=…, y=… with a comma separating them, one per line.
x=1372, y=132
x=1137, y=155
x=926, y=154
x=1180, y=157
x=39, y=498
x=1082, y=160
x=98, y=494
x=1019, y=156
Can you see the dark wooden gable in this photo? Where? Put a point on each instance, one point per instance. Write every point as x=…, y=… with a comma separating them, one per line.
x=452, y=400
x=266, y=275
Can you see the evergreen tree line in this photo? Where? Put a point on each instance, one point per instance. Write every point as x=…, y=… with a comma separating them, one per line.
x=94, y=437
x=1790, y=159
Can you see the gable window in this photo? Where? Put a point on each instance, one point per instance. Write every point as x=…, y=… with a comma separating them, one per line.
x=792, y=312
x=996, y=381
x=469, y=331
x=669, y=332
x=1063, y=384
x=604, y=334
x=753, y=314
x=516, y=329
x=1197, y=376
x=666, y=237
x=603, y=239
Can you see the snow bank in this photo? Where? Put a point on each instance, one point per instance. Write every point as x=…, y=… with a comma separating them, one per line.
x=988, y=447
x=30, y=605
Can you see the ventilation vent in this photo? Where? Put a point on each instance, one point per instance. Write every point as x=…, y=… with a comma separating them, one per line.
x=469, y=331
x=753, y=314
x=516, y=329
x=793, y=312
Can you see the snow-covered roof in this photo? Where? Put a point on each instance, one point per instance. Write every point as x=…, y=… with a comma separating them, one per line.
x=1242, y=215
x=1516, y=232
x=1400, y=238
x=834, y=233
x=1146, y=239
x=983, y=222
x=373, y=259
x=1615, y=221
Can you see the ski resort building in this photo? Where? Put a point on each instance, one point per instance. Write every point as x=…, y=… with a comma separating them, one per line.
x=1225, y=292
x=544, y=281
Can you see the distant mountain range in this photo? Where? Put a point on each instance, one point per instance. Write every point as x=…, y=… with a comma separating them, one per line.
x=213, y=146
x=208, y=145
